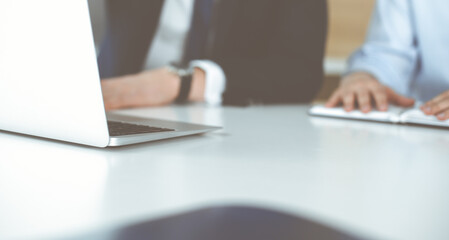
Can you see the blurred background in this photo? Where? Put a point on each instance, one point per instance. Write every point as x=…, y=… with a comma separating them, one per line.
x=348, y=21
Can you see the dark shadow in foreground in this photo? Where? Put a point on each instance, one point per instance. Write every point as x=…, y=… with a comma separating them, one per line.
x=224, y=223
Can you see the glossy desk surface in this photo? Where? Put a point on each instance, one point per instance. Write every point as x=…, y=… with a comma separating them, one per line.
x=378, y=180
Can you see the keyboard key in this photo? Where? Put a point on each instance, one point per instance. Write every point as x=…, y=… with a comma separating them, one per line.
x=124, y=129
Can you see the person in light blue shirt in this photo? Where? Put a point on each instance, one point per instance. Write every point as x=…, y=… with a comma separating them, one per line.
x=404, y=59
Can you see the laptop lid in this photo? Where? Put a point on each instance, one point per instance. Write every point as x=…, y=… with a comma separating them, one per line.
x=49, y=81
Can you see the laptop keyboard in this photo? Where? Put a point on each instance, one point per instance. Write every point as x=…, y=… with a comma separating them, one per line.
x=123, y=129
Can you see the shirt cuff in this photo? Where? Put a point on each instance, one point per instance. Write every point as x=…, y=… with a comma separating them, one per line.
x=215, y=81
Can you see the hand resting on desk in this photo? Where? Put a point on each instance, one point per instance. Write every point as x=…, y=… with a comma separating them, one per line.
x=361, y=89
x=365, y=91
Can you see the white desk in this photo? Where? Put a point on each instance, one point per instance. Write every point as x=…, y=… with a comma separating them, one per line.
x=384, y=181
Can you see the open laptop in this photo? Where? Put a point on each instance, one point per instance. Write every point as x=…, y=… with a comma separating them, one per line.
x=49, y=80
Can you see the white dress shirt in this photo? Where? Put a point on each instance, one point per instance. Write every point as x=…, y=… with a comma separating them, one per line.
x=407, y=47
x=169, y=42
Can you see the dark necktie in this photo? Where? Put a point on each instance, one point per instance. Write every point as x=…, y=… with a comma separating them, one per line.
x=197, y=39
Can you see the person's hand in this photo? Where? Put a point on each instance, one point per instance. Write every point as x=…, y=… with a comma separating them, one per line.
x=438, y=107
x=364, y=90
x=150, y=88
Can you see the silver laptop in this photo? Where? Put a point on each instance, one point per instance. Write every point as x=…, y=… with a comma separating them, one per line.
x=49, y=80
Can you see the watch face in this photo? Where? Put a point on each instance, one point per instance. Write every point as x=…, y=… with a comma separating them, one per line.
x=182, y=72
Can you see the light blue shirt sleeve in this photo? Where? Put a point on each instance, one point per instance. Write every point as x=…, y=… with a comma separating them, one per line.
x=390, y=52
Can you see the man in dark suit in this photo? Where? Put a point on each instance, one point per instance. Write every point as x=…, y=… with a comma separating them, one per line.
x=232, y=51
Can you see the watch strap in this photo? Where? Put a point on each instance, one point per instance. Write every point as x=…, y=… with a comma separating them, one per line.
x=186, y=85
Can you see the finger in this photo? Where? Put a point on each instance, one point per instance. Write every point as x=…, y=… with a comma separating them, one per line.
x=427, y=108
x=380, y=98
x=431, y=107
x=438, y=107
x=348, y=101
x=334, y=100
x=440, y=97
x=399, y=100
x=108, y=107
x=443, y=116
x=364, y=100
x=111, y=105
